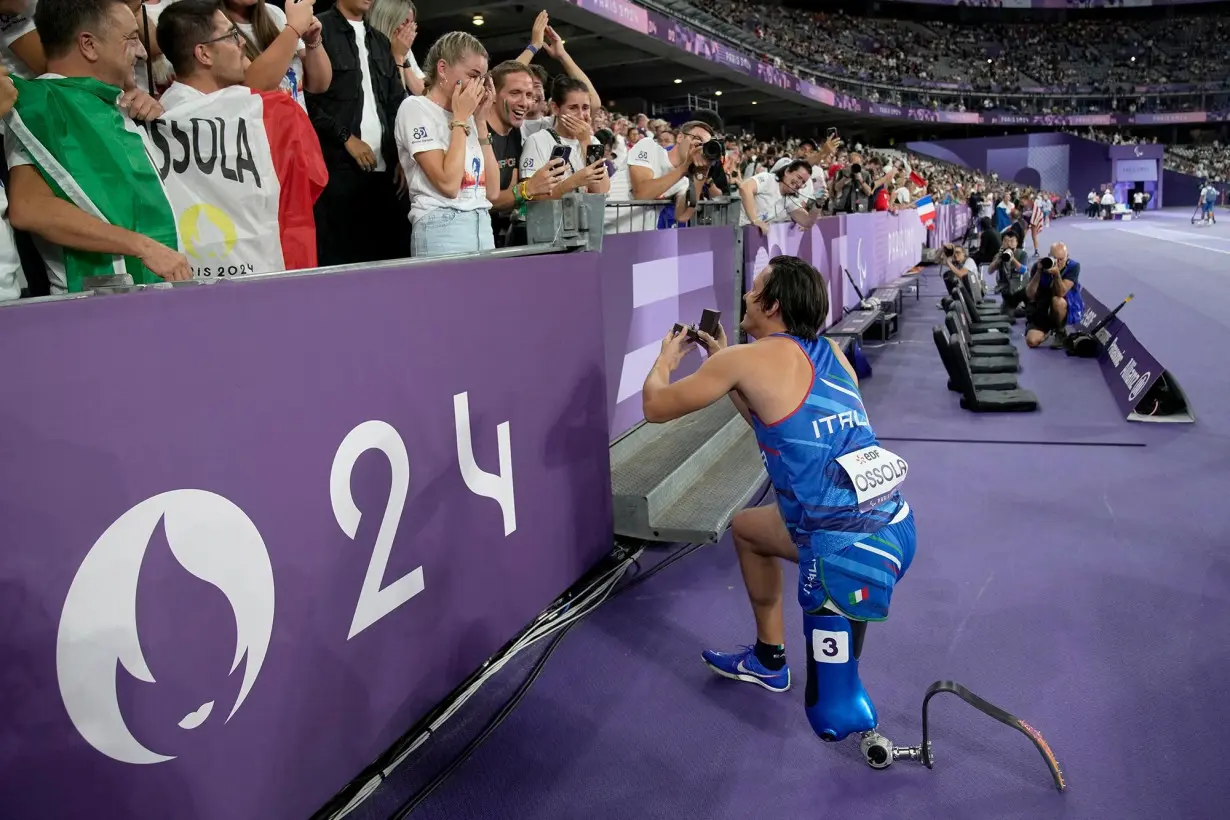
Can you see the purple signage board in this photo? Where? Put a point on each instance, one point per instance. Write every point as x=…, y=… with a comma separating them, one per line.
x=669, y=30
x=262, y=528
x=650, y=281
x=1135, y=170
x=951, y=223
x=1129, y=369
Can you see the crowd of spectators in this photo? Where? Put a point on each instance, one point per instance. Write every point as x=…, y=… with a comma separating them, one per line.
x=413, y=158
x=1208, y=160
x=1085, y=66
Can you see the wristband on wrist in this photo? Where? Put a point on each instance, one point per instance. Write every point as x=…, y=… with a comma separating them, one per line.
x=532, y=49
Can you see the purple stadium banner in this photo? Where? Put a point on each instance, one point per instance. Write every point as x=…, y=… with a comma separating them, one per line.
x=650, y=281
x=875, y=248
x=676, y=33
x=1129, y=369
x=255, y=536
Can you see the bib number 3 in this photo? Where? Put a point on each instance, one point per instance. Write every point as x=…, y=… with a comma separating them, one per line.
x=875, y=473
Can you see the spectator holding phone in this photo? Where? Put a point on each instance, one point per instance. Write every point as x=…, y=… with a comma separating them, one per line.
x=444, y=145
x=570, y=107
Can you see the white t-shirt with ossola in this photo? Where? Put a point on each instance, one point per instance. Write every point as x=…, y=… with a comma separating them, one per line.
x=423, y=126
x=536, y=153
x=292, y=83
x=648, y=154
x=771, y=206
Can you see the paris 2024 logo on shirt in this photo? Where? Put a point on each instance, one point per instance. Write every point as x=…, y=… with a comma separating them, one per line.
x=213, y=540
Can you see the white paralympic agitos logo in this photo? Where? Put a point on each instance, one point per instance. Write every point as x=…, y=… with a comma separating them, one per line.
x=213, y=540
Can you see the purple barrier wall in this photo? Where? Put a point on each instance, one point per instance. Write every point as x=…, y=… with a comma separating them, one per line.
x=951, y=223
x=876, y=248
x=650, y=281
x=1183, y=190
x=1053, y=162
x=250, y=528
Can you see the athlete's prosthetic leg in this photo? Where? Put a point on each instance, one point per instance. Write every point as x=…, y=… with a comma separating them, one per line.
x=838, y=705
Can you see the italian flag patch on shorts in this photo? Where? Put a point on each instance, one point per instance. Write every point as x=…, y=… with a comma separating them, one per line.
x=859, y=595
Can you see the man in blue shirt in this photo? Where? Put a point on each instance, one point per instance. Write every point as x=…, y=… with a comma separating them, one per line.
x=1052, y=298
x=838, y=510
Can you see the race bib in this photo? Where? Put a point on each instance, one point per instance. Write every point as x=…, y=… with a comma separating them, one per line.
x=875, y=473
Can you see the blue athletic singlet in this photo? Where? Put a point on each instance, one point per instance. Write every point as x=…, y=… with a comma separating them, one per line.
x=851, y=556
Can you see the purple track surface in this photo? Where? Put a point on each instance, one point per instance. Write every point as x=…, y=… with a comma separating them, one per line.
x=1081, y=587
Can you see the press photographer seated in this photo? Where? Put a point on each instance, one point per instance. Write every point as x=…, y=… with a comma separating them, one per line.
x=1008, y=261
x=957, y=262
x=1052, y=297
x=774, y=196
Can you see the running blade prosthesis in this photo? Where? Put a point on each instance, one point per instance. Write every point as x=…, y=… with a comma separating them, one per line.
x=879, y=751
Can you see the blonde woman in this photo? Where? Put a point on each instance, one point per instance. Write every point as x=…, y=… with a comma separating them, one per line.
x=445, y=150
x=395, y=19
x=284, y=47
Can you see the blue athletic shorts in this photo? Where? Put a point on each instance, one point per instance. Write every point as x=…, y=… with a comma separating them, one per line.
x=859, y=579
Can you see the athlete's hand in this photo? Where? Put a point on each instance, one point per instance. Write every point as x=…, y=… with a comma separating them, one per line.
x=674, y=346
x=713, y=345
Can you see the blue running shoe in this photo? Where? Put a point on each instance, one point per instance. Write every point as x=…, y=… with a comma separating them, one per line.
x=744, y=665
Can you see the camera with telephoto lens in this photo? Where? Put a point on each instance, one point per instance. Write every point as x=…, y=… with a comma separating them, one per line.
x=856, y=168
x=1046, y=263
x=712, y=151
x=949, y=250
x=1007, y=257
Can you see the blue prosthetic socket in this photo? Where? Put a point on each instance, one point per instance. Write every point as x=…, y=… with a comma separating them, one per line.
x=837, y=703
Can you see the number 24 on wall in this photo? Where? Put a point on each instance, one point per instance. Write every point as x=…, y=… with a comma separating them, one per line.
x=374, y=601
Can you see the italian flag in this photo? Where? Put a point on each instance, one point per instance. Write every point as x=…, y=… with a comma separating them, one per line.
x=93, y=156
x=229, y=178
x=859, y=595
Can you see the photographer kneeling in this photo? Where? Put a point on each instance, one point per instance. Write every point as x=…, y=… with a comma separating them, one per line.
x=1007, y=263
x=1052, y=299
x=774, y=197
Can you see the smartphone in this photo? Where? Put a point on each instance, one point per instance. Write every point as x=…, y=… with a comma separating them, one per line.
x=560, y=152
x=709, y=321
x=593, y=153
x=829, y=134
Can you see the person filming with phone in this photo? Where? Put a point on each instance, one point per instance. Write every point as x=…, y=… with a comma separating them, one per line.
x=838, y=510
x=570, y=140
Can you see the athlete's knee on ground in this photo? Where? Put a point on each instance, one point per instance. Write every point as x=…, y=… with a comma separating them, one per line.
x=1034, y=338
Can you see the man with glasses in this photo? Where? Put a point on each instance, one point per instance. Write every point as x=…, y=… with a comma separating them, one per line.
x=204, y=47
x=679, y=174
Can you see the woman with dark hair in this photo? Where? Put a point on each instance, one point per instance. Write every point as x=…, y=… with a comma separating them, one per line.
x=294, y=64
x=574, y=130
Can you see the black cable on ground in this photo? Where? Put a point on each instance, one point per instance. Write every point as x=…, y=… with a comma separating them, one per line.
x=417, y=799
x=436, y=782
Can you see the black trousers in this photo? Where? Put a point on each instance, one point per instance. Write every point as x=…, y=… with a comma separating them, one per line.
x=359, y=217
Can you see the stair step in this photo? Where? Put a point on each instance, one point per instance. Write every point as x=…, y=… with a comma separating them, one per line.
x=703, y=513
x=657, y=469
